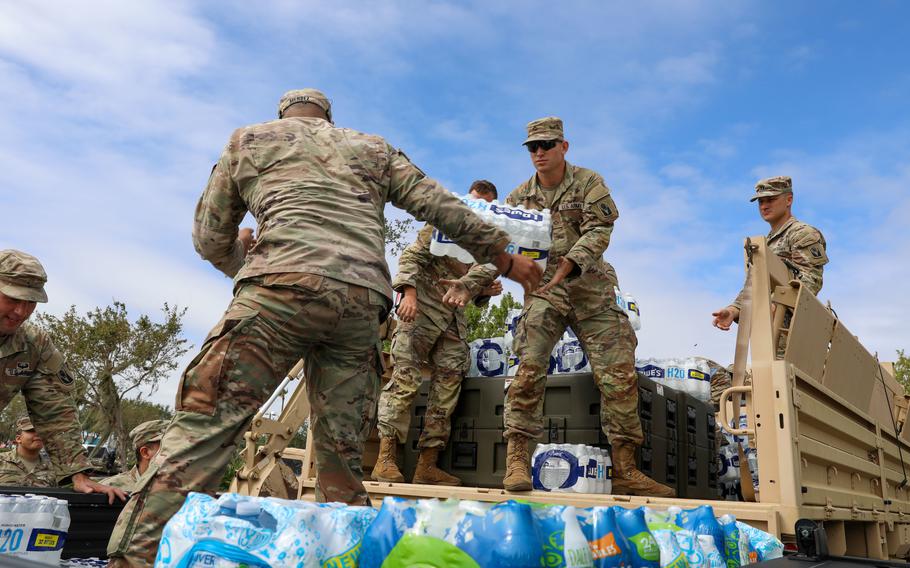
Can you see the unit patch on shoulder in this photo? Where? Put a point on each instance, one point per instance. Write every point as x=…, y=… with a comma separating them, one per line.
x=65, y=376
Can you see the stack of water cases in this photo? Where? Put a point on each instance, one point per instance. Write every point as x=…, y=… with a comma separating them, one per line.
x=676, y=427
x=33, y=527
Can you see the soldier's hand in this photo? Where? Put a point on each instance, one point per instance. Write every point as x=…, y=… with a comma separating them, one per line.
x=407, y=308
x=564, y=268
x=519, y=268
x=725, y=317
x=83, y=484
x=456, y=295
x=493, y=289
x=247, y=239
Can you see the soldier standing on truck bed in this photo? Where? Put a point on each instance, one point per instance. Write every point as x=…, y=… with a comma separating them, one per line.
x=801, y=246
x=27, y=465
x=578, y=293
x=315, y=285
x=431, y=332
x=32, y=365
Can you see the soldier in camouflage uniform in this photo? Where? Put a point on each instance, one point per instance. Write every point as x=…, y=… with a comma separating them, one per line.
x=315, y=284
x=578, y=293
x=27, y=465
x=431, y=332
x=799, y=245
x=32, y=365
x=146, y=439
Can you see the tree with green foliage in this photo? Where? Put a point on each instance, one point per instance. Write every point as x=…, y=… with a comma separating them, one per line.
x=489, y=320
x=394, y=234
x=902, y=370
x=113, y=360
x=8, y=416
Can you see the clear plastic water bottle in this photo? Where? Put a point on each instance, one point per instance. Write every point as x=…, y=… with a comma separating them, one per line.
x=581, y=455
x=6, y=504
x=61, y=515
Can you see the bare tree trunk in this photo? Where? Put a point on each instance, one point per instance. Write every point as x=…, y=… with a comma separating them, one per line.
x=110, y=405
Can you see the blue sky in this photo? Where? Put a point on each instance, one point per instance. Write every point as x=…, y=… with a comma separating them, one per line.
x=112, y=114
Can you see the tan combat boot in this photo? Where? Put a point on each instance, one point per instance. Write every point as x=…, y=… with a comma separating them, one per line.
x=428, y=473
x=386, y=469
x=518, y=465
x=628, y=480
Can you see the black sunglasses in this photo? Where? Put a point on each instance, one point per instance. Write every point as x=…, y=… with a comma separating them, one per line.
x=545, y=144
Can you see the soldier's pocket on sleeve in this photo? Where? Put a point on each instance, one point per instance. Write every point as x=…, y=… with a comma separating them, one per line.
x=199, y=386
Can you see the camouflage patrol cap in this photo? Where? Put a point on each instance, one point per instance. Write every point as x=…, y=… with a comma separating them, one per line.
x=148, y=432
x=771, y=187
x=24, y=424
x=547, y=128
x=21, y=276
x=314, y=96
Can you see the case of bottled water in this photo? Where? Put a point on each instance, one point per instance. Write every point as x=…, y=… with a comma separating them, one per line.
x=571, y=468
x=530, y=231
x=488, y=358
x=629, y=305
x=690, y=375
x=33, y=527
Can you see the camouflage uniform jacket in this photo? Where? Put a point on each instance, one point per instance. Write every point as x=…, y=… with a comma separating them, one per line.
x=423, y=270
x=30, y=363
x=15, y=471
x=802, y=248
x=582, y=214
x=318, y=193
x=128, y=480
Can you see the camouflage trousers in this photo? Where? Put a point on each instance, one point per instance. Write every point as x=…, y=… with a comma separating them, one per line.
x=609, y=342
x=413, y=345
x=272, y=322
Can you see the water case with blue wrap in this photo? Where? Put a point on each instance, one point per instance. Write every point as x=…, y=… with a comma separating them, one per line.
x=643, y=549
x=529, y=231
x=701, y=520
x=609, y=548
x=262, y=532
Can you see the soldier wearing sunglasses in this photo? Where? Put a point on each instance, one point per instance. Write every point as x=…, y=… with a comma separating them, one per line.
x=577, y=292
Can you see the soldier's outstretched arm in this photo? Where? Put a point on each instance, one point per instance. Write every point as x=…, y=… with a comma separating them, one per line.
x=427, y=200
x=218, y=215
